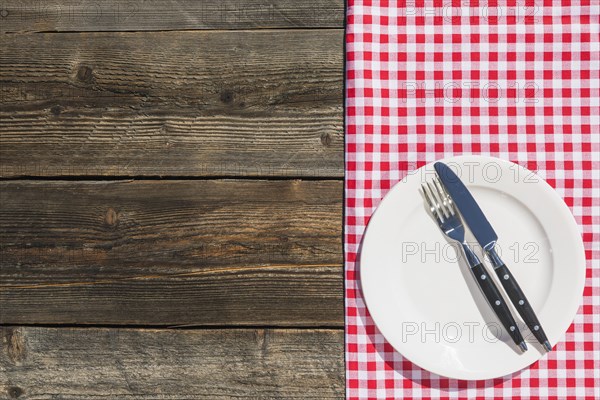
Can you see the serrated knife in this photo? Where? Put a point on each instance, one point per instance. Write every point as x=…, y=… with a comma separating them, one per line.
x=487, y=238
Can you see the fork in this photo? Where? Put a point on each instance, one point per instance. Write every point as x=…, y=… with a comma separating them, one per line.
x=448, y=219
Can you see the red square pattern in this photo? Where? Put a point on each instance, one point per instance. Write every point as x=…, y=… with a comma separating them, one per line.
x=515, y=79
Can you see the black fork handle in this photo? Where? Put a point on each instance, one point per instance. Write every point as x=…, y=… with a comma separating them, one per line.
x=499, y=306
x=522, y=305
x=494, y=297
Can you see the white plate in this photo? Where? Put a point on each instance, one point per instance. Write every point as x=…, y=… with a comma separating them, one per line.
x=426, y=303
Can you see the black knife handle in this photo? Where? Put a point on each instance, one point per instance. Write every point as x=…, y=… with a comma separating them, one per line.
x=520, y=302
x=496, y=301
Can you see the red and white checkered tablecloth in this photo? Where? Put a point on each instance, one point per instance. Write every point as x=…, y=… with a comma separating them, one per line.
x=515, y=79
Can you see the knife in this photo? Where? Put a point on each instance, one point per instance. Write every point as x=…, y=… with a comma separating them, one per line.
x=487, y=238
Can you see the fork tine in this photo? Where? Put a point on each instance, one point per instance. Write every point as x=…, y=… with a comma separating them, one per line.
x=446, y=201
x=439, y=199
x=451, y=204
x=436, y=201
x=432, y=204
x=429, y=202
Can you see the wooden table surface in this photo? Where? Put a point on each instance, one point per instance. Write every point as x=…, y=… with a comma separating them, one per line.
x=171, y=199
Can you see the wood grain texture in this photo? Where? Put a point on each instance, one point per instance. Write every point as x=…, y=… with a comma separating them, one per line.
x=213, y=252
x=79, y=364
x=199, y=103
x=165, y=15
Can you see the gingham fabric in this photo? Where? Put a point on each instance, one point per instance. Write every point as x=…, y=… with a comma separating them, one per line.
x=515, y=79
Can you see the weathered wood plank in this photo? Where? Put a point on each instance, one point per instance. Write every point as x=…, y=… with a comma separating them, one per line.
x=153, y=15
x=207, y=252
x=66, y=363
x=202, y=103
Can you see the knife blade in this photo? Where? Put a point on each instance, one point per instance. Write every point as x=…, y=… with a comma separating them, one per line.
x=468, y=207
x=485, y=235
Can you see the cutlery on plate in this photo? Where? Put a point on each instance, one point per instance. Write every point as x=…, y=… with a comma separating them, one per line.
x=487, y=238
x=449, y=221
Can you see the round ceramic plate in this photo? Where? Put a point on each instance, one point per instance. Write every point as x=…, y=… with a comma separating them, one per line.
x=421, y=294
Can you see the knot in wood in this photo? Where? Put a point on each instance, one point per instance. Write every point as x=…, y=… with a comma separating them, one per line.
x=111, y=218
x=14, y=343
x=15, y=392
x=56, y=110
x=85, y=74
x=226, y=96
x=326, y=139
